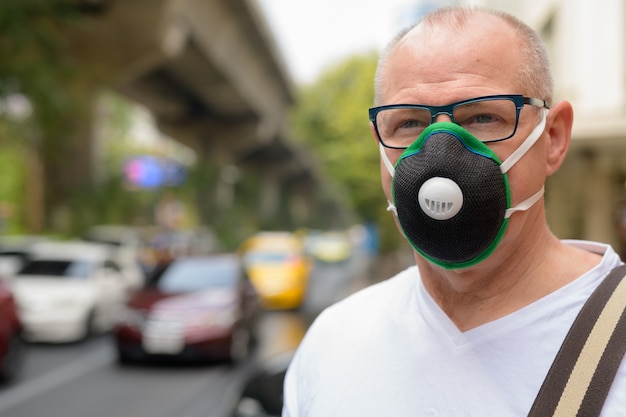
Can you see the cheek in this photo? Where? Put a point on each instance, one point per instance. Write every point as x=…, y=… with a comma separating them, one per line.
x=528, y=175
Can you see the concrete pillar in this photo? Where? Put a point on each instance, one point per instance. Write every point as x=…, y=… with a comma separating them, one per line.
x=599, y=215
x=67, y=157
x=270, y=196
x=565, y=196
x=300, y=205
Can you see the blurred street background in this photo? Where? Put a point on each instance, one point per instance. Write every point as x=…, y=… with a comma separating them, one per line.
x=136, y=135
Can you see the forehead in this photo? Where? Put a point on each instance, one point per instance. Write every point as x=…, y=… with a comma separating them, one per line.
x=437, y=64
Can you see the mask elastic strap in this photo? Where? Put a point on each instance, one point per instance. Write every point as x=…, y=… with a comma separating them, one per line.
x=526, y=145
x=392, y=171
x=526, y=204
x=386, y=161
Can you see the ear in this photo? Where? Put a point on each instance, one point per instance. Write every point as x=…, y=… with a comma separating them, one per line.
x=559, y=128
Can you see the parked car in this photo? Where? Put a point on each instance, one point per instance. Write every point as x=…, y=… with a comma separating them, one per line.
x=279, y=268
x=11, y=261
x=14, y=252
x=68, y=291
x=193, y=308
x=11, y=344
x=329, y=246
x=126, y=247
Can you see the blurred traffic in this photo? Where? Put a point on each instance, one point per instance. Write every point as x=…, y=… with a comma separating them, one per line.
x=69, y=290
x=191, y=308
x=11, y=342
x=157, y=296
x=278, y=267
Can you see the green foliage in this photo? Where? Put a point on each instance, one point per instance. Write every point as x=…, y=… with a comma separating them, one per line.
x=15, y=134
x=29, y=35
x=331, y=118
x=33, y=69
x=11, y=188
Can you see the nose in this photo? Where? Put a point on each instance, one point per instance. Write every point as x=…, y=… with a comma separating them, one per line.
x=442, y=117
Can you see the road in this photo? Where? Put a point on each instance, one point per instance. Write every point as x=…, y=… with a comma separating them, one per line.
x=84, y=379
x=81, y=380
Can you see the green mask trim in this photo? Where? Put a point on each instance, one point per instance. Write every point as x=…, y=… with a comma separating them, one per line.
x=473, y=145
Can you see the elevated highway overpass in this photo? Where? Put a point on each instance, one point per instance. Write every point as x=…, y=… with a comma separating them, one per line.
x=212, y=77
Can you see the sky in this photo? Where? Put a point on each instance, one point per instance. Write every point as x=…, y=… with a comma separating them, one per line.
x=314, y=34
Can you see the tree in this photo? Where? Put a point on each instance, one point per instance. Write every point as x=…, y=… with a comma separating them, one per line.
x=331, y=118
x=35, y=69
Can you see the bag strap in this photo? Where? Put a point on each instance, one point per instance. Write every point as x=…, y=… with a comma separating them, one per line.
x=581, y=375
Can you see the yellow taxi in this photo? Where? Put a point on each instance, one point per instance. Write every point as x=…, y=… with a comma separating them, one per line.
x=278, y=268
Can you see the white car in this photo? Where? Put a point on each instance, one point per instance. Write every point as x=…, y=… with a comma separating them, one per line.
x=14, y=250
x=68, y=291
x=126, y=244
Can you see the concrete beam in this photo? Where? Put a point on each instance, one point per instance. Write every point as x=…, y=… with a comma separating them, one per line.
x=186, y=59
x=209, y=72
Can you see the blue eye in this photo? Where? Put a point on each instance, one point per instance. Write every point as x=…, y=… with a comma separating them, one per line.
x=484, y=118
x=411, y=124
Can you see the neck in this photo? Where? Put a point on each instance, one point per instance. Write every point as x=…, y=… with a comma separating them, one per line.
x=514, y=276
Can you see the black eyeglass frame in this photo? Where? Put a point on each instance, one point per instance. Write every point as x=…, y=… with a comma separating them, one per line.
x=518, y=99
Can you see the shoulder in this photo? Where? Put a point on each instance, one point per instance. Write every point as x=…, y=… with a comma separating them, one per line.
x=338, y=338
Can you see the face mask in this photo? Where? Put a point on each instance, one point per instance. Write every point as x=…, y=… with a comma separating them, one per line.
x=451, y=194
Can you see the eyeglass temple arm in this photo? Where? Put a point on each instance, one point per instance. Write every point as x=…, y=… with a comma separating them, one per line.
x=536, y=102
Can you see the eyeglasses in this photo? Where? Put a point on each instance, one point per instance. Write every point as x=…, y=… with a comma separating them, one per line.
x=488, y=118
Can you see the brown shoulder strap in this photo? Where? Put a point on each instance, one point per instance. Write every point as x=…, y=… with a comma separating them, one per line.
x=582, y=373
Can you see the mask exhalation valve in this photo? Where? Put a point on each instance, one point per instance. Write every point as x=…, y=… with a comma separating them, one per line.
x=440, y=198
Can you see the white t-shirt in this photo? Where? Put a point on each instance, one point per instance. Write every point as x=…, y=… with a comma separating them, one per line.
x=390, y=351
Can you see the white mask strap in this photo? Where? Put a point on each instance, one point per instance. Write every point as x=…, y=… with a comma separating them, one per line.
x=392, y=171
x=526, y=204
x=526, y=145
x=386, y=161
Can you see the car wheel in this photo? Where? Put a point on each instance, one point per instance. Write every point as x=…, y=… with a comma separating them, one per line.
x=239, y=345
x=13, y=359
x=123, y=358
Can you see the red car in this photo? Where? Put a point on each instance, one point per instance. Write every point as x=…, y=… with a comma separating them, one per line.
x=196, y=308
x=11, y=343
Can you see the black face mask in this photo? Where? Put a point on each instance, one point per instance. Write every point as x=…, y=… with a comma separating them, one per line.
x=451, y=194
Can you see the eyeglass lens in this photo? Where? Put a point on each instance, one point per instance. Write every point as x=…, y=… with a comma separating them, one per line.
x=487, y=120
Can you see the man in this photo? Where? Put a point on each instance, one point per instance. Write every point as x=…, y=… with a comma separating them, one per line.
x=468, y=135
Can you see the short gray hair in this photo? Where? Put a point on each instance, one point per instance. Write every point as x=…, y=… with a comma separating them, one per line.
x=536, y=73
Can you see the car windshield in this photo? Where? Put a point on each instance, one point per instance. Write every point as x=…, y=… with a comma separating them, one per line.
x=197, y=275
x=58, y=269
x=268, y=257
